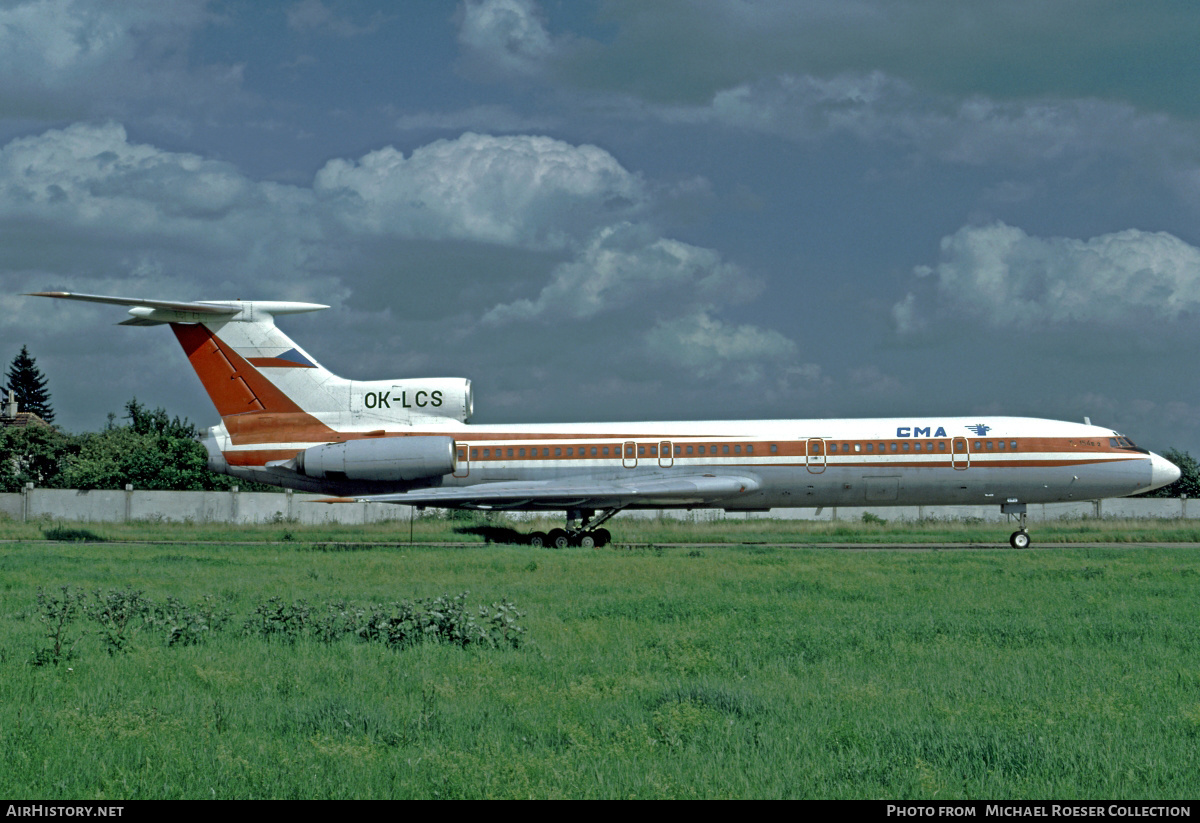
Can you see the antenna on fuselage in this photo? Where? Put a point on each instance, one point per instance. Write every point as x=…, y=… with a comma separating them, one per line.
x=1087, y=421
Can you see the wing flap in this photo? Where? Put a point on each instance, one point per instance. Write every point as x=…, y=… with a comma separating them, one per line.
x=578, y=492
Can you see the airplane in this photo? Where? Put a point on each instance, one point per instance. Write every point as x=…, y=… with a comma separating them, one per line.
x=287, y=421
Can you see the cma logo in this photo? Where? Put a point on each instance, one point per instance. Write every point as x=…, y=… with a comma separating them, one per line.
x=384, y=399
x=920, y=431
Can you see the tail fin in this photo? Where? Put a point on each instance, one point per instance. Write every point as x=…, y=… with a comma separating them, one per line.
x=228, y=342
x=254, y=373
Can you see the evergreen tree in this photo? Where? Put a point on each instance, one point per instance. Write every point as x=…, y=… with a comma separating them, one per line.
x=25, y=381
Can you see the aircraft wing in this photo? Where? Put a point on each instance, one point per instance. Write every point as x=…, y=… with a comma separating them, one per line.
x=580, y=492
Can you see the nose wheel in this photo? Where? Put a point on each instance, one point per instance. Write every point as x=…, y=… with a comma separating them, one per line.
x=1020, y=538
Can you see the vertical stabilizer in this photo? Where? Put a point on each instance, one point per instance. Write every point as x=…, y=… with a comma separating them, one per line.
x=259, y=379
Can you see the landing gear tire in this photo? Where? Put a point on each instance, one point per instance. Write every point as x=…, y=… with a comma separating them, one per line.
x=1019, y=540
x=587, y=541
x=559, y=539
x=603, y=537
x=538, y=540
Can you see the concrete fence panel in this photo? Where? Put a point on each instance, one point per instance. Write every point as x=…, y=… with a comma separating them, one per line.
x=106, y=506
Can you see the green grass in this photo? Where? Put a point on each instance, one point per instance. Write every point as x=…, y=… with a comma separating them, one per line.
x=627, y=530
x=652, y=672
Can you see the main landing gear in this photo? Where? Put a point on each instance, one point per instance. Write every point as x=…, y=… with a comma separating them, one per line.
x=1020, y=538
x=586, y=534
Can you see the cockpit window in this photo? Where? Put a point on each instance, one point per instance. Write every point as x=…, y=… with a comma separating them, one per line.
x=1120, y=441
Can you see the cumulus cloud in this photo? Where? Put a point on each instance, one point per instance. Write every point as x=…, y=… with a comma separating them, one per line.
x=72, y=58
x=688, y=50
x=626, y=264
x=879, y=108
x=1001, y=276
x=707, y=346
x=87, y=209
x=518, y=190
x=508, y=36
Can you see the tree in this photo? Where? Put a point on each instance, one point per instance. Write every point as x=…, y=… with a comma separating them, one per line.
x=154, y=451
x=32, y=454
x=25, y=381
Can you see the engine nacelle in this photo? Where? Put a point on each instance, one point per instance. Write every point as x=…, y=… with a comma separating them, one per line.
x=416, y=399
x=385, y=458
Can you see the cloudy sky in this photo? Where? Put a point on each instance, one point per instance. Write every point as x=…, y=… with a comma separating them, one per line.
x=619, y=210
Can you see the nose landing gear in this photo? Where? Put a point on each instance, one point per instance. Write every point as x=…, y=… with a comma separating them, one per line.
x=1020, y=538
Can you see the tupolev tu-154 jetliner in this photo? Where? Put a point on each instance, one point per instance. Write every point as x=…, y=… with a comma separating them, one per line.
x=287, y=421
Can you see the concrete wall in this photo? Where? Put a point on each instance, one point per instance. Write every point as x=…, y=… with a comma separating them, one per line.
x=100, y=506
x=246, y=507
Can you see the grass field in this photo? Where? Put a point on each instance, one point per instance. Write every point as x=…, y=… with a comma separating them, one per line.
x=642, y=531
x=720, y=671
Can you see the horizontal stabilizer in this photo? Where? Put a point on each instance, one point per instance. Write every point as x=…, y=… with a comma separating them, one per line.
x=156, y=312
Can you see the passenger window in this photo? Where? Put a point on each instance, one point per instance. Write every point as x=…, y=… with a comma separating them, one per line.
x=606, y=451
x=737, y=449
x=894, y=447
x=558, y=451
x=678, y=450
x=1012, y=444
x=487, y=452
x=942, y=446
x=700, y=449
x=521, y=453
x=774, y=449
x=593, y=451
x=510, y=452
x=725, y=449
x=1000, y=445
x=641, y=451
x=832, y=448
x=474, y=453
x=689, y=449
x=978, y=445
x=990, y=445
x=750, y=448
x=905, y=447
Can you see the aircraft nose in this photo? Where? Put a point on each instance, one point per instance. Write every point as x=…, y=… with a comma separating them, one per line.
x=1162, y=472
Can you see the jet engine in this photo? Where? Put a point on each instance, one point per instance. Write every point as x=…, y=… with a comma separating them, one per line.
x=386, y=458
x=409, y=400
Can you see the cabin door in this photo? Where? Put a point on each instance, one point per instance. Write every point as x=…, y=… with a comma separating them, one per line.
x=960, y=455
x=665, y=459
x=814, y=455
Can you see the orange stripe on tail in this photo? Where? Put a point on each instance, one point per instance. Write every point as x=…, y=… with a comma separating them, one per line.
x=234, y=386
